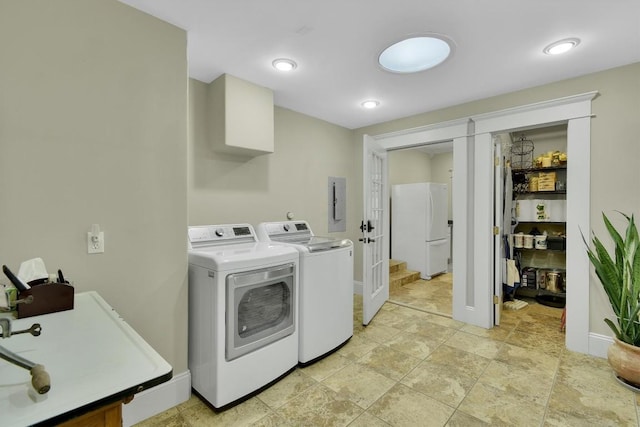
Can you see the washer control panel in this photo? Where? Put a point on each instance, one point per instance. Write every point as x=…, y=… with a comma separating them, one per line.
x=300, y=228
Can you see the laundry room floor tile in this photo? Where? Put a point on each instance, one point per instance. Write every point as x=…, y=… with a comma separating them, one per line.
x=325, y=367
x=448, y=357
x=425, y=327
x=591, y=405
x=525, y=339
x=175, y=419
x=389, y=362
x=447, y=374
x=448, y=386
x=498, y=333
x=320, y=406
x=402, y=406
x=272, y=420
x=379, y=332
x=360, y=384
x=245, y=414
x=357, y=347
x=481, y=346
x=498, y=407
x=414, y=344
x=422, y=369
x=392, y=318
x=527, y=358
x=432, y=295
x=445, y=321
x=460, y=419
x=546, y=327
x=555, y=418
x=286, y=389
x=368, y=420
x=531, y=384
x=588, y=388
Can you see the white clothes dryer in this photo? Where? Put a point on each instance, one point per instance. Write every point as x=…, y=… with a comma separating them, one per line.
x=326, y=286
x=243, y=314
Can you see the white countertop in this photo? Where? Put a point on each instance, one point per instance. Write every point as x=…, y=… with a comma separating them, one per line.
x=91, y=354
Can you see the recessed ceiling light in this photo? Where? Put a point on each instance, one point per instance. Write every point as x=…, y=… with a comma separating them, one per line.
x=561, y=46
x=415, y=54
x=284, y=64
x=370, y=104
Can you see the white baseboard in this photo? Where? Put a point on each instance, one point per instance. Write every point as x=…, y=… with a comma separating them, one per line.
x=357, y=287
x=599, y=344
x=157, y=399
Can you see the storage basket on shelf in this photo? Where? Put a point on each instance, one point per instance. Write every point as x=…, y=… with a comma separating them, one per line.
x=522, y=153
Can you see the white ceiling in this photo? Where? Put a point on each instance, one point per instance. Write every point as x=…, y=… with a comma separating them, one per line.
x=498, y=48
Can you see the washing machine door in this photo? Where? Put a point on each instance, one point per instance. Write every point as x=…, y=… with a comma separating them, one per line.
x=260, y=308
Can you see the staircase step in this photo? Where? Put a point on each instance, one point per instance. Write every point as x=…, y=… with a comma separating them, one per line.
x=401, y=278
x=395, y=266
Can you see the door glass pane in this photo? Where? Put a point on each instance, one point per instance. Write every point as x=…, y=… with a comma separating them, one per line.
x=262, y=308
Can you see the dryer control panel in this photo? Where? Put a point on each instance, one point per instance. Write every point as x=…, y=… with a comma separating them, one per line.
x=212, y=235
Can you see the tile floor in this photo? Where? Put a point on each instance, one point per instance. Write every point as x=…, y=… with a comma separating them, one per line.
x=412, y=368
x=433, y=296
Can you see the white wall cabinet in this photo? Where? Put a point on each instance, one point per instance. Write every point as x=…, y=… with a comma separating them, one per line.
x=240, y=117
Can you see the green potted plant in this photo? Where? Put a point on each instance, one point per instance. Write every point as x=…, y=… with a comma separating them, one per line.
x=619, y=274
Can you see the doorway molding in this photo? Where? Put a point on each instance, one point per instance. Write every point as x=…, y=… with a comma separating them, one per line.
x=472, y=139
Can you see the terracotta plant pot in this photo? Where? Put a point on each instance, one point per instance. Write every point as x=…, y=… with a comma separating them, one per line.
x=625, y=361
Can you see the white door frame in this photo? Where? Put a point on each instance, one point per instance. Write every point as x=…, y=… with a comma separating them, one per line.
x=473, y=207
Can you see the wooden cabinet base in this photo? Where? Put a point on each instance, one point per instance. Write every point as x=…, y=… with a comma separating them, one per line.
x=107, y=416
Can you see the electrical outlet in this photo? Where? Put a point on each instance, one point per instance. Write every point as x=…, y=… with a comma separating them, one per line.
x=95, y=245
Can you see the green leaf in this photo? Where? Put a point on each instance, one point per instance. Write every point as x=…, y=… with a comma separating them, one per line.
x=619, y=274
x=613, y=328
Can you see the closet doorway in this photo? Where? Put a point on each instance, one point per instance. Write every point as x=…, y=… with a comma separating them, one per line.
x=532, y=242
x=421, y=164
x=473, y=296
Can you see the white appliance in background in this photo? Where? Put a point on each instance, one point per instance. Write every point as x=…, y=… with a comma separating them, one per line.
x=326, y=286
x=419, y=227
x=243, y=315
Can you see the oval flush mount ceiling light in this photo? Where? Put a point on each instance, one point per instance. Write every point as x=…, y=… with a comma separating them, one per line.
x=284, y=64
x=415, y=54
x=371, y=103
x=561, y=46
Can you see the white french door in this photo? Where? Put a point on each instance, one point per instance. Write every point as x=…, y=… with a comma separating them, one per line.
x=375, y=226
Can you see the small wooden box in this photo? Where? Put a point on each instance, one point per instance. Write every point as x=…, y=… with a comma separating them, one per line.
x=546, y=181
x=47, y=298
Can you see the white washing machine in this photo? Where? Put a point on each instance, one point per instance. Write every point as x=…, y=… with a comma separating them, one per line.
x=326, y=286
x=243, y=314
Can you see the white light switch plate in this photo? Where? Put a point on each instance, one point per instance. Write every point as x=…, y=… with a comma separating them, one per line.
x=98, y=247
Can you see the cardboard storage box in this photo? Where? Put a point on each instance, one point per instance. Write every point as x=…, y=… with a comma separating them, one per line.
x=546, y=181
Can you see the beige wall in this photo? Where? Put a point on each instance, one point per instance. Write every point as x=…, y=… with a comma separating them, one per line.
x=409, y=166
x=93, y=128
x=614, y=145
x=225, y=188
